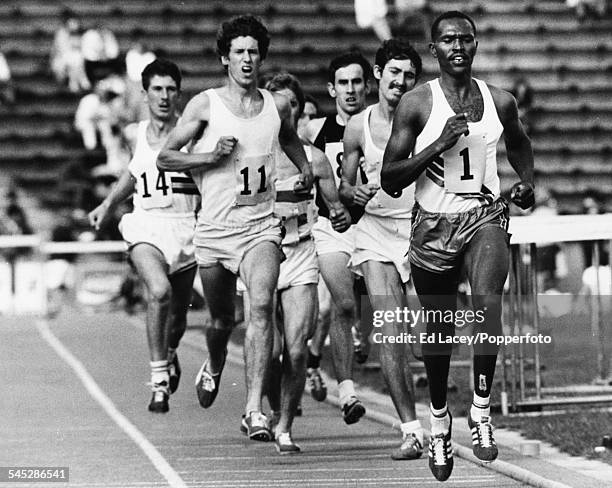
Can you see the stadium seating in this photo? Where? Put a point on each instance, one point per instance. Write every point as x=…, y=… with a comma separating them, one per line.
x=569, y=65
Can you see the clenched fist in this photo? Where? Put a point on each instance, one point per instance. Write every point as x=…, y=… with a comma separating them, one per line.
x=522, y=195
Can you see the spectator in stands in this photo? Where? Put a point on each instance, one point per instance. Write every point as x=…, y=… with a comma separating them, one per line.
x=311, y=110
x=67, y=62
x=7, y=92
x=588, y=9
x=100, y=118
x=523, y=92
x=373, y=13
x=136, y=59
x=101, y=54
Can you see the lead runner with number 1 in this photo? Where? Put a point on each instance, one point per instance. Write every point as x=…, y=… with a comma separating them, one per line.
x=444, y=137
x=233, y=132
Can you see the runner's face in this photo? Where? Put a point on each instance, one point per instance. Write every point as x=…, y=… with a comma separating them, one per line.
x=454, y=46
x=162, y=97
x=243, y=60
x=349, y=89
x=397, y=77
x=293, y=103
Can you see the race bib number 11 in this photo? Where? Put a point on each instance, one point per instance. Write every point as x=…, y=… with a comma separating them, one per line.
x=464, y=164
x=253, y=185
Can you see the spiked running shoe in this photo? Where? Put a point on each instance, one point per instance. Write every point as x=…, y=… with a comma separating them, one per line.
x=207, y=384
x=285, y=445
x=257, y=427
x=483, y=444
x=159, y=400
x=174, y=368
x=441, y=454
x=318, y=390
x=352, y=411
x=411, y=448
x=274, y=419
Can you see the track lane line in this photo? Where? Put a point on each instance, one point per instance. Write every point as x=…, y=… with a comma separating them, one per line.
x=158, y=461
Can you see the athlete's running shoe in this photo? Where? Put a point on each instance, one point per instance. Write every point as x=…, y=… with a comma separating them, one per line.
x=483, y=444
x=174, y=369
x=353, y=410
x=159, y=399
x=257, y=427
x=285, y=445
x=411, y=448
x=318, y=390
x=441, y=454
x=207, y=384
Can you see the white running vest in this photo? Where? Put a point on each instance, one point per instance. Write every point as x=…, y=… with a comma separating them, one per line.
x=382, y=204
x=159, y=192
x=239, y=190
x=464, y=176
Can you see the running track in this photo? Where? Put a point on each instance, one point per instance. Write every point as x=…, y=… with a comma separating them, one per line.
x=76, y=396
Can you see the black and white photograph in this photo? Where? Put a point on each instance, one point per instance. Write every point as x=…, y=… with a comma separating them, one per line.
x=306, y=243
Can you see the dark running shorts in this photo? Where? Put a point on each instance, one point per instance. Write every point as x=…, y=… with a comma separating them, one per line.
x=439, y=239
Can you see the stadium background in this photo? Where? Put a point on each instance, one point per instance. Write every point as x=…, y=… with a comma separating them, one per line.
x=568, y=64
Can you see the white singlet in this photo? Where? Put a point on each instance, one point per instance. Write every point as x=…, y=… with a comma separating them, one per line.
x=464, y=176
x=240, y=190
x=382, y=204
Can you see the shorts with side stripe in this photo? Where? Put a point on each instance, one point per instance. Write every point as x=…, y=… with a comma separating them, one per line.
x=171, y=234
x=439, y=239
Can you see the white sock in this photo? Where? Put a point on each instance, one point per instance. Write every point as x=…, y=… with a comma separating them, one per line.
x=481, y=407
x=413, y=427
x=439, y=419
x=159, y=371
x=346, y=390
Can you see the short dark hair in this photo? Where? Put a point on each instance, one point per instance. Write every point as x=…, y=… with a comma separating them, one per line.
x=280, y=81
x=451, y=14
x=398, y=49
x=351, y=57
x=161, y=67
x=243, y=25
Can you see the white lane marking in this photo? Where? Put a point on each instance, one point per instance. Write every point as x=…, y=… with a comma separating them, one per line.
x=109, y=407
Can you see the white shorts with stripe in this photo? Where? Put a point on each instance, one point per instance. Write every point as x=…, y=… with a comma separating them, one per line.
x=172, y=234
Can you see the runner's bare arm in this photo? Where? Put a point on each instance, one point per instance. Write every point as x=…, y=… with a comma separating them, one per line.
x=518, y=148
x=291, y=144
x=122, y=190
x=518, y=144
x=350, y=193
x=192, y=123
x=398, y=169
x=323, y=172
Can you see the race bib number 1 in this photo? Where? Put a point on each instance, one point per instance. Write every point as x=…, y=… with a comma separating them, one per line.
x=253, y=185
x=154, y=189
x=464, y=164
